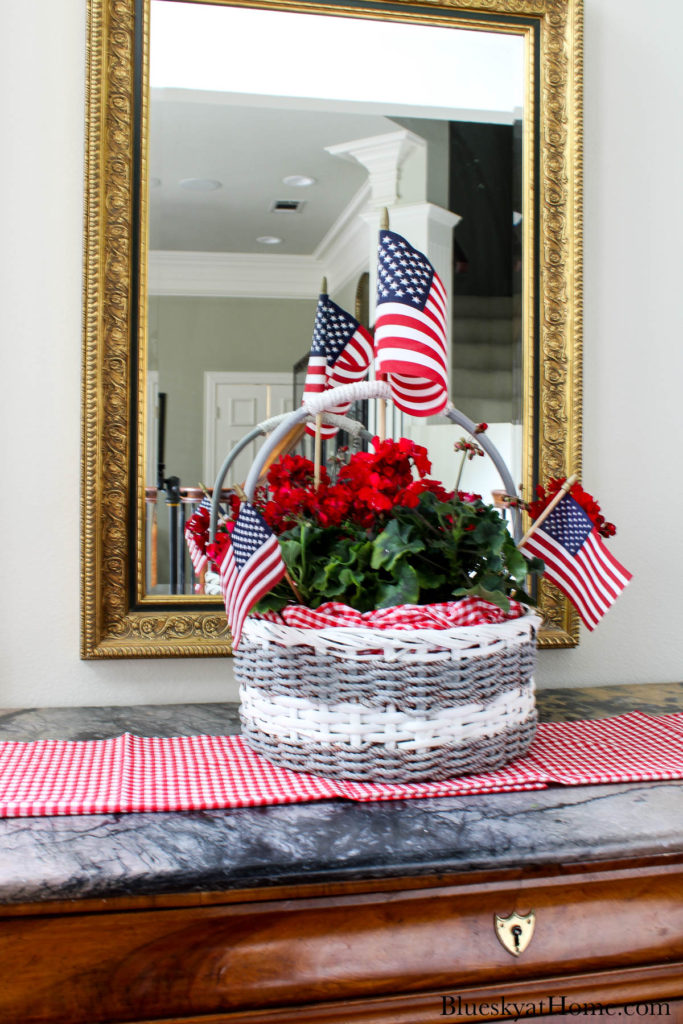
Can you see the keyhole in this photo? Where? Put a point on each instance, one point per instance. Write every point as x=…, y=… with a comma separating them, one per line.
x=516, y=931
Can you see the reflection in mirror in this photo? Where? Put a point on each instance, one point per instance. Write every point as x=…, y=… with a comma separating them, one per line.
x=266, y=174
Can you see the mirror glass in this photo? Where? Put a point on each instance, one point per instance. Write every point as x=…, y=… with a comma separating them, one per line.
x=274, y=140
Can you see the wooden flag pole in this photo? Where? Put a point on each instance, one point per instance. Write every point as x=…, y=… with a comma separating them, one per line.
x=318, y=446
x=292, y=584
x=564, y=489
x=382, y=402
x=317, y=450
x=381, y=419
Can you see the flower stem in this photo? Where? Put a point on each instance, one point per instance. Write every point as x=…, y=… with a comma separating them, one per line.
x=459, y=476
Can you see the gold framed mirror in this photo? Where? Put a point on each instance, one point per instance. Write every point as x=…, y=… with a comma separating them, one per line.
x=121, y=616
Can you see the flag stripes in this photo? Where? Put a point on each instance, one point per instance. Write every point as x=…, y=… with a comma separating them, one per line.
x=341, y=353
x=577, y=561
x=198, y=523
x=411, y=328
x=252, y=565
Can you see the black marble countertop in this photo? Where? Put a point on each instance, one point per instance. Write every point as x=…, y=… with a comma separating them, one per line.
x=94, y=856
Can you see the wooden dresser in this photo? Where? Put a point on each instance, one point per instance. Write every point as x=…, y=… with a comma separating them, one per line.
x=341, y=913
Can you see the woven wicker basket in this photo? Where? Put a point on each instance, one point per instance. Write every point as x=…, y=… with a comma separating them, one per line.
x=388, y=705
x=384, y=705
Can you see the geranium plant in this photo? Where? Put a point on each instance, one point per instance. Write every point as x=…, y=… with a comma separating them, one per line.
x=383, y=533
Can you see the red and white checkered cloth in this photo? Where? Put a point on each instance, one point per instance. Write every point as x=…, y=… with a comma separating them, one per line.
x=470, y=611
x=133, y=773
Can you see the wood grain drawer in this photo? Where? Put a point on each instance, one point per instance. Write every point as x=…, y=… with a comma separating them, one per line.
x=225, y=955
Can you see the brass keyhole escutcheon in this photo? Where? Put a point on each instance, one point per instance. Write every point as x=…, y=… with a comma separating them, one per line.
x=515, y=931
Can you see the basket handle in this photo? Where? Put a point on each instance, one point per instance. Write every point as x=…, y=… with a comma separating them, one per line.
x=313, y=404
x=371, y=389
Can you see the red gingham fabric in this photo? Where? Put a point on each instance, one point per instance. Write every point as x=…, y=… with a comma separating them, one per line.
x=134, y=773
x=470, y=611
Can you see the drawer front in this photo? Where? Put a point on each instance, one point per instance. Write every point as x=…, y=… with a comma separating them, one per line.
x=175, y=963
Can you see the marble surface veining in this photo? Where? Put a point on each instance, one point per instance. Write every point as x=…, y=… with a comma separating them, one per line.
x=100, y=723
x=83, y=856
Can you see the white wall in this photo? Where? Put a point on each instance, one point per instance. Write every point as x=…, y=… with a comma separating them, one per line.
x=633, y=361
x=633, y=324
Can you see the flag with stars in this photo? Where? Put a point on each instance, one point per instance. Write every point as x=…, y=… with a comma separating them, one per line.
x=341, y=353
x=577, y=561
x=410, y=330
x=252, y=565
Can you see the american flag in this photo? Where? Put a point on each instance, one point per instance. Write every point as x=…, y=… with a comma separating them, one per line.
x=341, y=353
x=198, y=523
x=410, y=330
x=252, y=566
x=577, y=561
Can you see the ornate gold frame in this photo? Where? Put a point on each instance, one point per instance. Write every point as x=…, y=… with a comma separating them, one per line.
x=115, y=623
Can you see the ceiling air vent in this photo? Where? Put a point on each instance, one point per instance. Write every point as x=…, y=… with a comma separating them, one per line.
x=287, y=206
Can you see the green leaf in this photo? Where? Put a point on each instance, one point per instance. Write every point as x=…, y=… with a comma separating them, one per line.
x=291, y=552
x=393, y=544
x=516, y=563
x=489, y=535
x=428, y=578
x=405, y=589
x=496, y=597
x=273, y=601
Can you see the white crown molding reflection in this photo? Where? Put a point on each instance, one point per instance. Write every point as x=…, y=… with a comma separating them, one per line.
x=343, y=252
x=341, y=256
x=233, y=274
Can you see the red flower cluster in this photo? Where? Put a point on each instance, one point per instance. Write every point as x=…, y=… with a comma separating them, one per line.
x=471, y=448
x=587, y=502
x=216, y=551
x=370, y=485
x=290, y=483
x=197, y=526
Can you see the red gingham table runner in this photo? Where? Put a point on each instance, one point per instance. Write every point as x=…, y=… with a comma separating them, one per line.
x=134, y=773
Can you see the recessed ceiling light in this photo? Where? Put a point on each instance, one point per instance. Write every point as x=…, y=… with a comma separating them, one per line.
x=298, y=180
x=269, y=240
x=200, y=184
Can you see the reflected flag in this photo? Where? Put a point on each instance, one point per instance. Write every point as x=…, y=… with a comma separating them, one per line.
x=252, y=565
x=577, y=561
x=197, y=535
x=410, y=329
x=341, y=353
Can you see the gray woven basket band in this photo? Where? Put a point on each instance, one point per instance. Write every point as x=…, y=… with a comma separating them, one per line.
x=298, y=672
